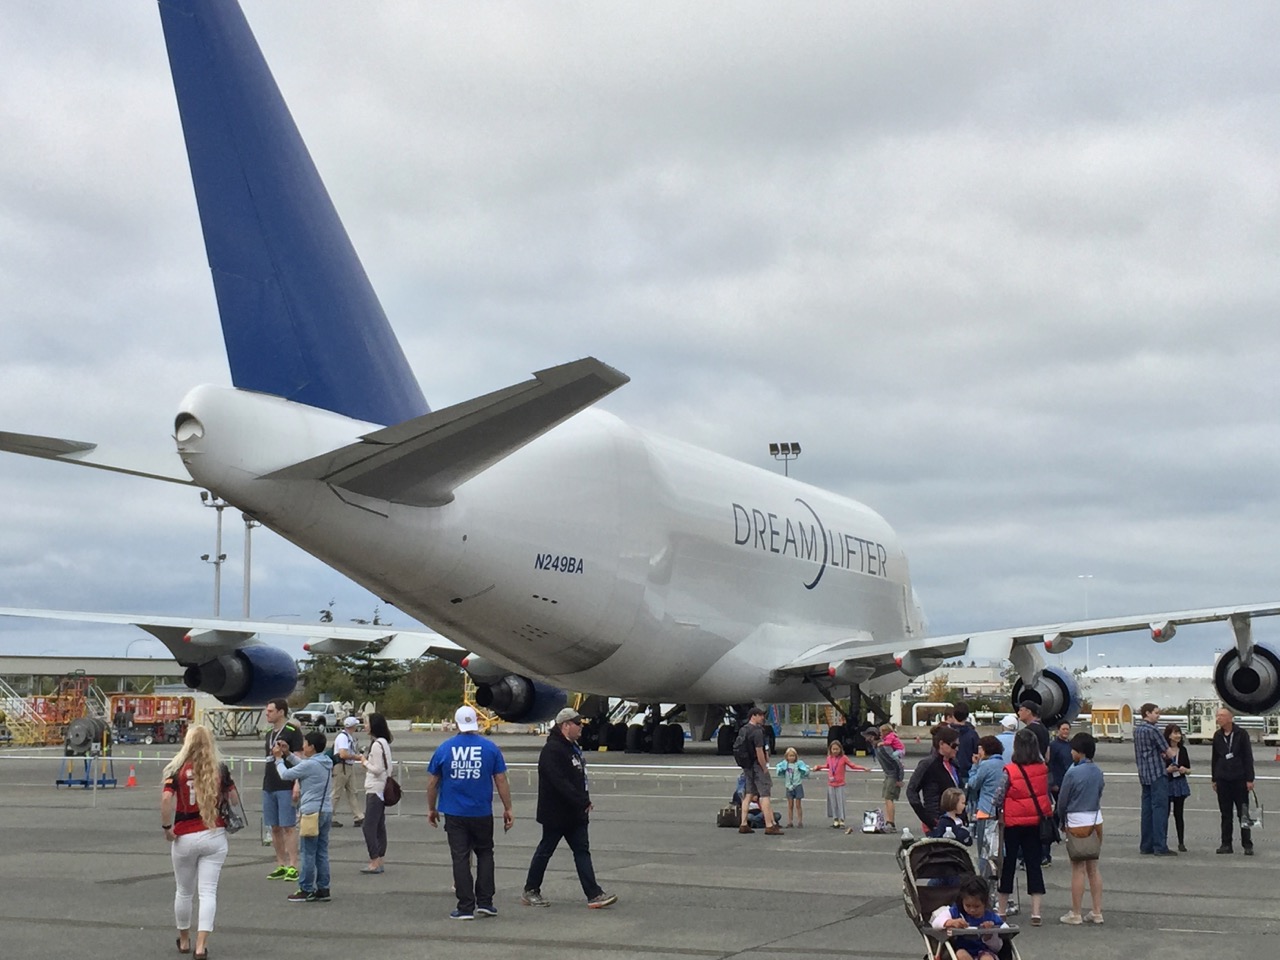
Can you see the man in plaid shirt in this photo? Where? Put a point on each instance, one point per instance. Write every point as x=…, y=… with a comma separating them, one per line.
x=1151, y=751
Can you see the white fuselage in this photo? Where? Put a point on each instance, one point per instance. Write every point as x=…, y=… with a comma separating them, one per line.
x=598, y=557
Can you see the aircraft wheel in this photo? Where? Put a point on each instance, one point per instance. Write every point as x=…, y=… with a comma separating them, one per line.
x=635, y=739
x=618, y=737
x=724, y=741
x=673, y=739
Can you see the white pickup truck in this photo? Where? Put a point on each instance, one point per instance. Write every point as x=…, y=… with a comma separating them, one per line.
x=319, y=716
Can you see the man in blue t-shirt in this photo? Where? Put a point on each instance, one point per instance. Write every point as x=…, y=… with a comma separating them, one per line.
x=464, y=771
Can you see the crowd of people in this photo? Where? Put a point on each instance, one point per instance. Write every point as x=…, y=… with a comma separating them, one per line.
x=1012, y=796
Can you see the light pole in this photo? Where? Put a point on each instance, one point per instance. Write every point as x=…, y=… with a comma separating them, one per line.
x=218, y=557
x=249, y=524
x=786, y=452
x=1084, y=578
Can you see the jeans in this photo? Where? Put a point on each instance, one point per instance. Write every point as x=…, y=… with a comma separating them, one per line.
x=375, y=826
x=469, y=835
x=1233, y=804
x=576, y=836
x=313, y=856
x=1155, y=817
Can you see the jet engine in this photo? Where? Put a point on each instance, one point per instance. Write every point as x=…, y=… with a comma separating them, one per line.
x=520, y=700
x=251, y=675
x=1057, y=693
x=1252, y=689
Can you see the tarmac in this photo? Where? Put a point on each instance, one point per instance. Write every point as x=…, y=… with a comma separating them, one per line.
x=86, y=873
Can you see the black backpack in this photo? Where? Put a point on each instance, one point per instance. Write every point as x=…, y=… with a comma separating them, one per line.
x=744, y=751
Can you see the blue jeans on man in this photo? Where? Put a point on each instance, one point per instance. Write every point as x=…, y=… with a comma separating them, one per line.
x=1155, y=817
x=313, y=858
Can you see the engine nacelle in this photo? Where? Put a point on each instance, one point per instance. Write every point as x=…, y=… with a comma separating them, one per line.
x=1252, y=689
x=252, y=675
x=914, y=664
x=1057, y=693
x=518, y=699
x=481, y=670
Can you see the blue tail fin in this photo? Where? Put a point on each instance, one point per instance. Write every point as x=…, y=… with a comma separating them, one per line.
x=299, y=316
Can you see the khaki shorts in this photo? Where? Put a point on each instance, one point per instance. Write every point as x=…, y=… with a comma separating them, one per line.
x=758, y=782
x=891, y=789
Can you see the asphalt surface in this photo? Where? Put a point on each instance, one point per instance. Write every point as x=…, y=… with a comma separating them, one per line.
x=86, y=873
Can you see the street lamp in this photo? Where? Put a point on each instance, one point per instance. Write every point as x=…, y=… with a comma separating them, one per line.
x=249, y=524
x=786, y=452
x=218, y=558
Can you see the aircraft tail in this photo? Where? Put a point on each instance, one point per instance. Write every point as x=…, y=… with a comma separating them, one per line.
x=299, y=317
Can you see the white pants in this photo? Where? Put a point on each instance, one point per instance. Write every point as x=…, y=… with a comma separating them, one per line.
x=197, y=860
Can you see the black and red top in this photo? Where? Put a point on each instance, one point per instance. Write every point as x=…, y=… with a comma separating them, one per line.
x=186, y=817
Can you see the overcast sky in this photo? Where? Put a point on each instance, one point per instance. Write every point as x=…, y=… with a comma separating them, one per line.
x=1009, y=272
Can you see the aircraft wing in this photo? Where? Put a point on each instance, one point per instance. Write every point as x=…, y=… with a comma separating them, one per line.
x=861, y=658
x=421, y=461
x=165, y=467
x=195, y=640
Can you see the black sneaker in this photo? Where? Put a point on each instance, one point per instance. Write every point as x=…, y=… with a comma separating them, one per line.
x=321, y=895
x=335, y=823
x=1225, y=848
x=1248, y=851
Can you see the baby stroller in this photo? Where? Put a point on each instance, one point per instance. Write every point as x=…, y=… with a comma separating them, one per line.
x=931, y=875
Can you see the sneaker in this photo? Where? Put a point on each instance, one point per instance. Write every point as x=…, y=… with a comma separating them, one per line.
x=460, y=915
x=773, y=830
x=745, y=829
x=279, y=873
x=290, y=873
x=1166, y=853
x=1182, y=848
x=1072, y=918
x=322, y=895
x=486, y=910
x=534, y=898
x=335, y=823
x=1092, y=917
x=1225, y=848
x=300, y=896
x=360, y=822
x=1248, y=851
x=602, y=899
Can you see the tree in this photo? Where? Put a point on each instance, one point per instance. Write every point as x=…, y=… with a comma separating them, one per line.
x=939, y=689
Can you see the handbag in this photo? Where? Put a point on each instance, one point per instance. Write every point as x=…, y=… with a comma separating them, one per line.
x=1083, y=843
x=233, y=817
x=1048, y=825
x=391, y=793
x=309, y=825
x=1251, y=815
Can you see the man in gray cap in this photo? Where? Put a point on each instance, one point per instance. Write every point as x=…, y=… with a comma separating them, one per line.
x=345, y=751
x=564, y=806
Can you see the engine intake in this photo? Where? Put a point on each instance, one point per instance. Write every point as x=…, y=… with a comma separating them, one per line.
x=1252, y=689
x=1057, y=693
x=251, y=675
x=518, y=699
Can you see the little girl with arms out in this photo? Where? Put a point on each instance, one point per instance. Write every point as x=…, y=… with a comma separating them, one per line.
x=835, y=765
x=972, y=908
x=793, y=772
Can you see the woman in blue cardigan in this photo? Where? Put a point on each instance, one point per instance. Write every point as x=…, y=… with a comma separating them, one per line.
x=1080, y=810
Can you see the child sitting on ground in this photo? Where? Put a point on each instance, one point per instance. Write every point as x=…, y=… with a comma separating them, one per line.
x=972, y=908
x=952, y=818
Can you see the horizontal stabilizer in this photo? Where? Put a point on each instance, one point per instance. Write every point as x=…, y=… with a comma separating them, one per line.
x=167, y=467
x=421, y=461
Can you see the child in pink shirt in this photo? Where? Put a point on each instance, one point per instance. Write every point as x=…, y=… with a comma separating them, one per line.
x=836, y=764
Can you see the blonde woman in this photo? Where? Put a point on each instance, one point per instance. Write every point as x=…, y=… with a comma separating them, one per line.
x=194, y=782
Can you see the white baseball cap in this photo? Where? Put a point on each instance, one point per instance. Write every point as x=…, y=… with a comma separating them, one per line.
x=465, y=718
x=1009, y=721
x=351, y=722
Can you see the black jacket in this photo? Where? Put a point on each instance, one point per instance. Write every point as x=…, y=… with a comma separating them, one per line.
x=1240, y=766
x=924, y=792
x=562, y=783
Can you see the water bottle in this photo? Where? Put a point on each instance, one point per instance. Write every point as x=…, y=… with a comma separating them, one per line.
x=907, y=838
x=948, y=834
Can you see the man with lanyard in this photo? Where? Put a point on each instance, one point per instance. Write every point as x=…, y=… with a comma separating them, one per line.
x=464, y=771
x=345, y=752
x=1151, y=752
x=278, y=811
x=564, y=807
x=1232, y=774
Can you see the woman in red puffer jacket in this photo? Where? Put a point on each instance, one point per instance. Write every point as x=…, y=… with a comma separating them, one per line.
x=1024, y=798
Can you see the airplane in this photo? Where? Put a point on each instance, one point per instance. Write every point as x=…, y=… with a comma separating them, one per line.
x=546, y=544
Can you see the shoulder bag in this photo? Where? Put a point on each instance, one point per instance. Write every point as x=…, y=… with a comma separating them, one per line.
x=232, y=816
x=391, y=792
x=1048, y=825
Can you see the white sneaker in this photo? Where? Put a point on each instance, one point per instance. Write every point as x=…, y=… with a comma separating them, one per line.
x=1094, y=917
x=1072, y=918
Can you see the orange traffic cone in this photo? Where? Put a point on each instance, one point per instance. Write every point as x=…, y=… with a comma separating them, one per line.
x=132, y=781
x=1278, y=753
